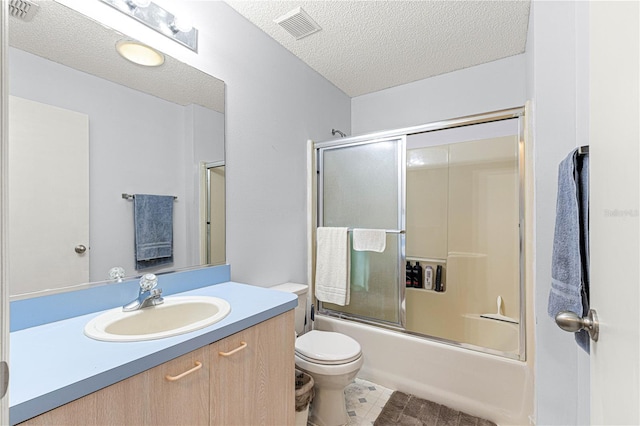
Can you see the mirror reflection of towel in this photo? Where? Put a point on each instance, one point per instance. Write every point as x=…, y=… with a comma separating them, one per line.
x=153, y=222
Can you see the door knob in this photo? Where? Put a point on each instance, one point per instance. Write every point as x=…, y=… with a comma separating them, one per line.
x=80, y=249
x=570, y=321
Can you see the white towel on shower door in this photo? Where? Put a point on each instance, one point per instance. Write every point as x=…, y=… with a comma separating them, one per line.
x=332, y=265
x=369, y=240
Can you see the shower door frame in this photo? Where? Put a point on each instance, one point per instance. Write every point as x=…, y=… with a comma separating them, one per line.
x=505, y=114
x=400, y=223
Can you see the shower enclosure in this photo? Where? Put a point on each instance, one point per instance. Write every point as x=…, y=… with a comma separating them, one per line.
x=450, y=197
x=362, y=187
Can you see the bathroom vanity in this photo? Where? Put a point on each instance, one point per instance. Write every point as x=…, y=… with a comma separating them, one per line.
x=237, y=371
x=239, y=380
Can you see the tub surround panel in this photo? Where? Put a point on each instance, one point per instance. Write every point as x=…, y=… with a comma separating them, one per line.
x=41, y=310
x=55, y=363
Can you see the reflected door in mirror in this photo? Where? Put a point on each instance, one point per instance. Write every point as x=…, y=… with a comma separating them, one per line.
x=48, y=196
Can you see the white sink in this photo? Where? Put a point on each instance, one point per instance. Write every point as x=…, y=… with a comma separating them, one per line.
x=177, y=315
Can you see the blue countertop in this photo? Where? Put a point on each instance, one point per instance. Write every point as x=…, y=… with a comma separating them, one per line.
x=55, y=363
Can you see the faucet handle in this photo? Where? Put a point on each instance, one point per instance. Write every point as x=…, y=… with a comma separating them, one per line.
x=116, y=273
x=148, y=282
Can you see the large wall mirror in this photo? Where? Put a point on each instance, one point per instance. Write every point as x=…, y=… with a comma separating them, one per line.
x=86, y=127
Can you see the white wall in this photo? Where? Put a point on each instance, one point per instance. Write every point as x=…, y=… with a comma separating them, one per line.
x=557, y=68
x=274, y=103
x=138, y=144
x=488, y=87
x=200, y=124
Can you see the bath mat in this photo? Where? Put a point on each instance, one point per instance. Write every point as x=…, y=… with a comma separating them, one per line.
x=402, y=409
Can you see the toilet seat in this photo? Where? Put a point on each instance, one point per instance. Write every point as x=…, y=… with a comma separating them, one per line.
x=327, y=348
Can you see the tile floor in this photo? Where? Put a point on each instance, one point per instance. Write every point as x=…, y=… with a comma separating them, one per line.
x=365, y=401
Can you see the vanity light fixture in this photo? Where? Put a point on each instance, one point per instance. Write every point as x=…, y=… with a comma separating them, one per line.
x=139, y=53
x=155, y=17
x=138, y=3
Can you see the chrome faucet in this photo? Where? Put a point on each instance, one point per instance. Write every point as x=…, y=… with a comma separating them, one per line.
x=148, y=295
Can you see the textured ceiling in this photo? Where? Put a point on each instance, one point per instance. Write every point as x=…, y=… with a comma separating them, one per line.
x=67, y=37
x=366, y=46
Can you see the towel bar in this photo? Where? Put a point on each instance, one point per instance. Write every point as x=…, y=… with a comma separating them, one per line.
x=131, y=196
x=388, y=231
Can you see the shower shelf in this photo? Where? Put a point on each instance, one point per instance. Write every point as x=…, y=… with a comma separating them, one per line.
x=427, y=259
x=427, y=290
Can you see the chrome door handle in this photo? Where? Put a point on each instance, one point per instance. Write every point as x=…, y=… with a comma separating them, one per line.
x=80, y=249
x=570, y=321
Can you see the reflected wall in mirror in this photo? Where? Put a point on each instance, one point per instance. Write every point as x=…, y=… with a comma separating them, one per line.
x=87, y=126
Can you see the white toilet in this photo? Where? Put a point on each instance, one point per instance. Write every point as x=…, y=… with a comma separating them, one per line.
x=332, y=359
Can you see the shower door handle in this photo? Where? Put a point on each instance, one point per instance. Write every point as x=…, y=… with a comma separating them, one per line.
x=570, y=321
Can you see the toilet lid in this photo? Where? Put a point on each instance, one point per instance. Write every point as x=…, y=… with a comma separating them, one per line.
x=327, y=347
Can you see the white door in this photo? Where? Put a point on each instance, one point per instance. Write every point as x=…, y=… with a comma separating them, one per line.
x=614, y=210
x=48, y=196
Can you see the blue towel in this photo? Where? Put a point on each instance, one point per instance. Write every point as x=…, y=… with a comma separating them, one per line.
x=153, y=221
x=570, y=259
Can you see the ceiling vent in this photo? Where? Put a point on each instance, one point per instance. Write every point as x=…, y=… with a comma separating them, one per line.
x=22, y=9
x=298, y=23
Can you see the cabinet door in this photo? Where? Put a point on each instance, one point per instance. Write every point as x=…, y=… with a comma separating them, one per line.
x=252, y=375
x=148, y=398
x=159, y=396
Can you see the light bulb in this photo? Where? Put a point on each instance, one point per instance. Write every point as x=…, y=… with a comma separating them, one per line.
x=182, y=24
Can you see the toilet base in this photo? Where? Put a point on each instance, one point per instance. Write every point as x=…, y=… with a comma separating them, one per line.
x=329, y=405
x=329, y=408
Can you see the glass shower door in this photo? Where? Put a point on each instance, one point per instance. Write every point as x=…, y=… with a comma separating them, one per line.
x=362, y=186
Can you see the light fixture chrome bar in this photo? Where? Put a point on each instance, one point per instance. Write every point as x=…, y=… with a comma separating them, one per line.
x=158, y=19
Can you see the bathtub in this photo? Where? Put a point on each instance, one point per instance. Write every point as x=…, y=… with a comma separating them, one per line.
x=488, y=386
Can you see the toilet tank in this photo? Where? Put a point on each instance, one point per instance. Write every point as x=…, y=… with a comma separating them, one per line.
x=301, y=309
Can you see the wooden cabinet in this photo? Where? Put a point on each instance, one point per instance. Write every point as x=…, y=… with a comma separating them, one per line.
x=172, y=393
x=153, y=397
x=76, y=413
x=252, y=375
x=244, y=379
